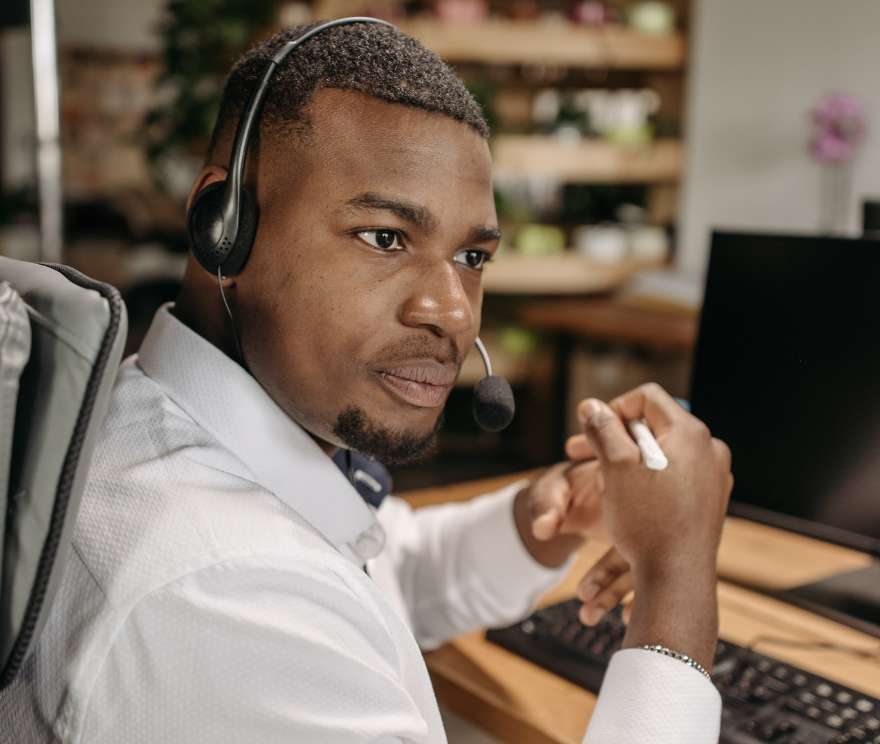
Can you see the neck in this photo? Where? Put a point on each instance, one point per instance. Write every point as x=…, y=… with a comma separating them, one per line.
x=207, y=317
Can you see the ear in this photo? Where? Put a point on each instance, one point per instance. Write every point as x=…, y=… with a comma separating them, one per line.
x=207, y=175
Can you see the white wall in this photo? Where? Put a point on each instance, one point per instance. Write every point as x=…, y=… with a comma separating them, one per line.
x=756, y=68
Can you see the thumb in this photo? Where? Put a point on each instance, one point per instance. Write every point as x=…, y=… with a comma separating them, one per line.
x=607, y=434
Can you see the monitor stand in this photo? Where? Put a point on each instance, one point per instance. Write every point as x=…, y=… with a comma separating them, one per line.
x=851, y=598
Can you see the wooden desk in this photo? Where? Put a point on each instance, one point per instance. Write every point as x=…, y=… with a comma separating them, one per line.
x=517, y=701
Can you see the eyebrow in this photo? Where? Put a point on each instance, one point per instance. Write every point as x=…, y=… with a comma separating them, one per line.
x=484, y=235
x=416, y=214
x=406, y=210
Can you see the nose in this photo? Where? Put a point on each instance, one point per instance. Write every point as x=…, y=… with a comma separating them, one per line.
x=439, y=302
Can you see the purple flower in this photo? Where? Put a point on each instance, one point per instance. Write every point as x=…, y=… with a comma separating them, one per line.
x=838, y=128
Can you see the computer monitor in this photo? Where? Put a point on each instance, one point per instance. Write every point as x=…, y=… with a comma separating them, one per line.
x=787, y=372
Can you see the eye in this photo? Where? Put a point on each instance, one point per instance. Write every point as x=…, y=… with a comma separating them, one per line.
x=473, y=258
x=383, y=240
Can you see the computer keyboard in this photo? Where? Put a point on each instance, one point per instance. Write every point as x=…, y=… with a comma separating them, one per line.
x=764, y=700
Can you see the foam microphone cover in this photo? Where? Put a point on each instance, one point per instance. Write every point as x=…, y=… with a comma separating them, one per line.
x=493, y=403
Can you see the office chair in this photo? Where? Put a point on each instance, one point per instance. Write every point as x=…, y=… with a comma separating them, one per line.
x=61, y=340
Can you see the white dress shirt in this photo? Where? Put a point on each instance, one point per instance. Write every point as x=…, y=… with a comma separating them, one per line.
x=215, y=591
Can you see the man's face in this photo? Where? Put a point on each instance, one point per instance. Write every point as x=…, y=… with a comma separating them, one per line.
x=362, y=294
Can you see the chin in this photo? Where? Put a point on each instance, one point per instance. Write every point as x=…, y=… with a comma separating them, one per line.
x=391, y=440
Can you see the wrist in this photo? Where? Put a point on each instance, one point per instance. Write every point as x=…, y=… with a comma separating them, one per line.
x=549, y=553
x=686, y=569
x=676, y=606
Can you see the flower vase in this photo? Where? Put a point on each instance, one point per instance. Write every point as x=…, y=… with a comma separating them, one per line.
x=834, y=198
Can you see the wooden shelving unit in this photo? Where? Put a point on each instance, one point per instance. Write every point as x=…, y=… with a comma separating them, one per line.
x=565, y=274
x=587, y=161
x=511, y=42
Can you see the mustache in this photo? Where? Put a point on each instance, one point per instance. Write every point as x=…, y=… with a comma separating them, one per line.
x=419, y=347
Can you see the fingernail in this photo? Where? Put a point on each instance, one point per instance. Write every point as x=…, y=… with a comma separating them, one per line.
x=591, y=615
x=588, y=591
x=587, y=409
x=543, y=527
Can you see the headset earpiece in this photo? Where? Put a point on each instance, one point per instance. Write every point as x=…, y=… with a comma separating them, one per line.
x=204, y=223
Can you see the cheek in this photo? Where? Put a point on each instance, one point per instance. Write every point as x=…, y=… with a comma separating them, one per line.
x=316, y=327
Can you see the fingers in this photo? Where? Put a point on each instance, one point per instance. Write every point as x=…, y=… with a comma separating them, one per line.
x=584, y=516
x=607, y=434
x=652, y=403
x=578, y=448
x=604, y=587
x=722, y=453
x=550, y=503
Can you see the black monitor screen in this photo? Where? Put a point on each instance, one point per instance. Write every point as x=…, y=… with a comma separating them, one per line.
x=787, y=372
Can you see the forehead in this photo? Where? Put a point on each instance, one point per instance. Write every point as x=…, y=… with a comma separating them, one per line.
x=358, y=143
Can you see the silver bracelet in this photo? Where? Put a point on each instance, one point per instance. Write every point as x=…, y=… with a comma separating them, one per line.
x=692, y=663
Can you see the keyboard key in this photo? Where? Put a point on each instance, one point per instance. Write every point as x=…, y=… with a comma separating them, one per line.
x=864, y=706
x=834, y=721
x=823, y=689
x=849, y=714
x=829, y=706
x=843, y=697
x=799, y=680
x=795, y=705
x=762, y=695
x=775, y=685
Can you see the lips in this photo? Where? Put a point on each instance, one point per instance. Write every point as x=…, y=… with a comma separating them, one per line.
x=425, y=383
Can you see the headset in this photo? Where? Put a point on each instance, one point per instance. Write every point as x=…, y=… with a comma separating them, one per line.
x=222, y=222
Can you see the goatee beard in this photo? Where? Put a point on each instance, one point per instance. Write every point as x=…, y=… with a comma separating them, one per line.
x=388, y=446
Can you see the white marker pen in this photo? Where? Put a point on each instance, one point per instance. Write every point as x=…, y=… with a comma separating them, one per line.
x=652, y=455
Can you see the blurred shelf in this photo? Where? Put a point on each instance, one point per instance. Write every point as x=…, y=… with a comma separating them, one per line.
x=567, y=274
x=511, y=42
x=610, y=320
x=586, y=161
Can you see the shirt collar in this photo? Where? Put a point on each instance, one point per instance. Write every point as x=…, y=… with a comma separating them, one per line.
x=232, y=406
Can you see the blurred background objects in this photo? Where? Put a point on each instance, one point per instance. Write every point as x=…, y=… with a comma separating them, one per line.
x=623, y=130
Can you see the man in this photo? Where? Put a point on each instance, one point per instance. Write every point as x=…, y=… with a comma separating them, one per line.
x=227, y=583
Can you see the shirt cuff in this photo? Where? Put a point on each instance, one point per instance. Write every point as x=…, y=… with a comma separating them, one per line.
x=646, y=696
x=501, y=558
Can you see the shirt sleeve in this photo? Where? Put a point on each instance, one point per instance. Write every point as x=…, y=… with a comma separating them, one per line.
x=462, y=566
x=253, y=653
x=647, y=696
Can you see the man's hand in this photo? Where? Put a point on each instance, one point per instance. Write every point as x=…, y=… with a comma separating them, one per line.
x=665, y=524
x=558, y=509
x=566, y=499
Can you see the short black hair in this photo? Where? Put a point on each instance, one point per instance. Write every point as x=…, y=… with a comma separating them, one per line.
x=373, y=59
